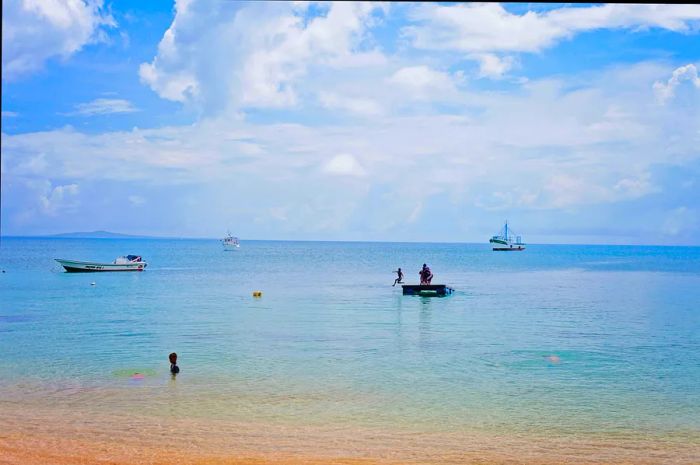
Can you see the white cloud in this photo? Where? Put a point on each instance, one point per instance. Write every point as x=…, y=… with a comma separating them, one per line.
x=480, y=30
x=104, y=106
x=9, y=114
x=58, y=198
x=423, y=82
x=552, y=144
x=136, y=200
x=507, y=200
x=665, y=92
x=357, y=105
x=635, y=187
x=344, y=165
x=53, y=200
x=488, y=27
x=568, y=190
x=369, y=59
x=45, y=200
x=262, y=51
x=36, y=30
x=492, y=66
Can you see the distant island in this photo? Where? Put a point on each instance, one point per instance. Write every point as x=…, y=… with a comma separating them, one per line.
x=99, y=235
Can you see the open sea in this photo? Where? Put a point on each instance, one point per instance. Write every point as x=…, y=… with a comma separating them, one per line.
x=557, y=354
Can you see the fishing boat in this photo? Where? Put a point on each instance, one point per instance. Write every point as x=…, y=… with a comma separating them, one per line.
x=126, y=263
x=505, y=241
x=230, y=242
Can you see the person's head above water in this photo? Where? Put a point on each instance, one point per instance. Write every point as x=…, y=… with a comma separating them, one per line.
x=174, y=369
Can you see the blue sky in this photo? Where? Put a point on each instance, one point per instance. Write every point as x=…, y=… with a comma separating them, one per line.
x=352, y=121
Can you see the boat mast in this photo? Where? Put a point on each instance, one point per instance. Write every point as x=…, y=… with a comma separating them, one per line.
x=506, y=230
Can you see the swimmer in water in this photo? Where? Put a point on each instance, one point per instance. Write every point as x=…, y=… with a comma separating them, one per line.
x=174, y=369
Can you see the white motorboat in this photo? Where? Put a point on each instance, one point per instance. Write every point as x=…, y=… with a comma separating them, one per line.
x=127, y=263
x=505, y=242
x=230, y=242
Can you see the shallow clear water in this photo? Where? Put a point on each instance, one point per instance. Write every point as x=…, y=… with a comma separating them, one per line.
x=332, y=343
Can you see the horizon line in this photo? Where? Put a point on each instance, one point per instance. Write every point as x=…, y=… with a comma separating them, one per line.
x=136, y=237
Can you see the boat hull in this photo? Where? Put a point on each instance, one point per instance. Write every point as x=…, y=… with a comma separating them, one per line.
x=73, y=266
x=509, y=249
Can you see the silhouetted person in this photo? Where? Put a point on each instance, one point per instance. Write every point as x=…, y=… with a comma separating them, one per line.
x=399, y=279
x=426, y=276
x=174, y=369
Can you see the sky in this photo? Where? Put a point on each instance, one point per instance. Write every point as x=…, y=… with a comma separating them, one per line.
x=434, y=122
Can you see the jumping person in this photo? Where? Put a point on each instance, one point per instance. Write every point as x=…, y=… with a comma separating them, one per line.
x=399, y=279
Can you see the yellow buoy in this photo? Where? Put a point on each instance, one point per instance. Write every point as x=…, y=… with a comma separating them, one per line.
x=257, y=293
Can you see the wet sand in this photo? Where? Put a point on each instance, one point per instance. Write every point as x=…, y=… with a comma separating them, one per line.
x=63, y=436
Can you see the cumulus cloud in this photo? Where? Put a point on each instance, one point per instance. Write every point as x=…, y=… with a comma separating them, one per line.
x=665, y=92
x=104, y=106
x=42, y=200
x=58, y=198
x=52, y=200
x=422, y=82
x=263, y=50
x=483, y=29
x=548, y=146
x=423, y=136
x=34, y=31
x=492, y=66
x=344, y=165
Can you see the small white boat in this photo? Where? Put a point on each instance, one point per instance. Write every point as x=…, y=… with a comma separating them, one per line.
x=503, y=241
x=230, y=242
x=127, y=263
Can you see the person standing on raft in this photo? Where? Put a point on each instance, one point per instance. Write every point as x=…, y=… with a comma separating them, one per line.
x=399, y=279
x=426, y=276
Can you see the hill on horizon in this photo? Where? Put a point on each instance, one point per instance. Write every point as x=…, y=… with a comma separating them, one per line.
x=99, y=235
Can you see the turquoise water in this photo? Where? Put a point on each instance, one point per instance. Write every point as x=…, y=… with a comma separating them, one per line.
x=331, y=342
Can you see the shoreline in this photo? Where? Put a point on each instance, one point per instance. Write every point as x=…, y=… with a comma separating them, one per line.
x=74, y=436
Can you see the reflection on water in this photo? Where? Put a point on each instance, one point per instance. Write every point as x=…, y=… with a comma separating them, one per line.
x=424, y=321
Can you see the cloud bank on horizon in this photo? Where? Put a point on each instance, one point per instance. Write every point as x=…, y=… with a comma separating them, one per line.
x=357, y=121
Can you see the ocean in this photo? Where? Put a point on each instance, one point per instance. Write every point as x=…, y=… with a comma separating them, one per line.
x=557, y=353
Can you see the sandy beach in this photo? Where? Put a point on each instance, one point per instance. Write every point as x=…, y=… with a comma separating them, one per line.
x=61, y=436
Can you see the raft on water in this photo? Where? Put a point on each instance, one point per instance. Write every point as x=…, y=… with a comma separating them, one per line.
x=427, y=290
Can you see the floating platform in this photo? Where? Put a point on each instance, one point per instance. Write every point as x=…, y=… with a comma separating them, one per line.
x=427, y=290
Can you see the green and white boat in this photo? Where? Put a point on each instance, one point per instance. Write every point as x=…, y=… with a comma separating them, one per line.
x=127, y=263
x=505, y=241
